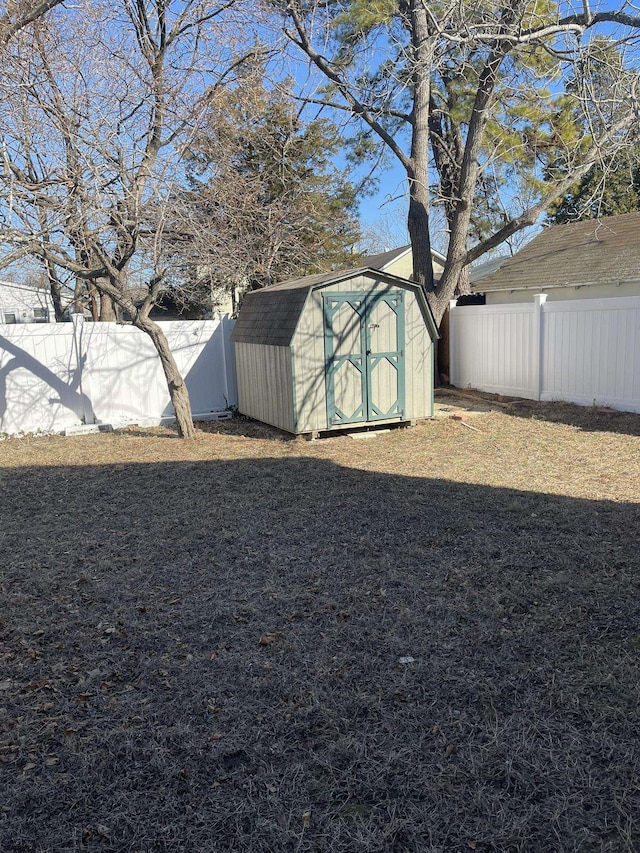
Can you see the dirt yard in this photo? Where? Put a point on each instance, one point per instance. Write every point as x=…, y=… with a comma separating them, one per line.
x=424, y=641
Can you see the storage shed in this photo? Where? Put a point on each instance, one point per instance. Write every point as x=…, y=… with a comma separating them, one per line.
x=335, y=349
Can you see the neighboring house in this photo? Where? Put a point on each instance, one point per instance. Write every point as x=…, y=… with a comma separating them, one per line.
x=478, y=273
x=400, y=262
x=23, y=303
x=583, y=260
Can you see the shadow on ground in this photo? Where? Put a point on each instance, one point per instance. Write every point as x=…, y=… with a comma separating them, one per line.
x=586, y=418
x=285, y=655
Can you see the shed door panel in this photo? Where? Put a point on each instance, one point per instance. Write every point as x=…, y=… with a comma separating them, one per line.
x=346, y=358
x=385, y=355
x=364, y=350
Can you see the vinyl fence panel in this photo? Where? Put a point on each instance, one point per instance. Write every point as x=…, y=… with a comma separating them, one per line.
x=39, y=379
x=58, y=376
x=491, y=348
x=585, y=352
x=592, y=352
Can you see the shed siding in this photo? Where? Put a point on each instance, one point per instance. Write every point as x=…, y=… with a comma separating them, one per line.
x=419, y=362
x=308, y=346
x=260, y=367
x=309, y=364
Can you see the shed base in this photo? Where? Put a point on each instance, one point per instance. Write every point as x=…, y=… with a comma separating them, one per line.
x=345, y=429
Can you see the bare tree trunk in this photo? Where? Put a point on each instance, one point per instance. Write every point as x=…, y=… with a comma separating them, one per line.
x=439, y=302
x=78, y=303
x=93, y=302
x=107, y=309
x=418, y=171
x=176, y=384
x=464, y=283
x=55, y=288
x=418, y=226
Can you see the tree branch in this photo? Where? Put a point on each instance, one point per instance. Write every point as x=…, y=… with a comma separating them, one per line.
x=9, y=28
x=532, y=213
x=328, y=69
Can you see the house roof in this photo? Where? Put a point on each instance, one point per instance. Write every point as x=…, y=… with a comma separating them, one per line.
x=481, y=271
x=384, y=259
x=270, y=316
x=598, y=251
x=30, y=288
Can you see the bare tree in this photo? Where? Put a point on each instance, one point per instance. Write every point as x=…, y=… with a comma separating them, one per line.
x=18, y=14
x=97, y=106
x=475, y=94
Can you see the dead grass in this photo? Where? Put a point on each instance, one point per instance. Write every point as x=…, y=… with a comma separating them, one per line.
x=201, y=642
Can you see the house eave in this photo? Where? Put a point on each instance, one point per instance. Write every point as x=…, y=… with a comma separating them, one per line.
x=542, y=287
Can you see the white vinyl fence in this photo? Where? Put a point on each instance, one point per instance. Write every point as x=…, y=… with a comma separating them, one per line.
x=59, y=376
x=585, y=351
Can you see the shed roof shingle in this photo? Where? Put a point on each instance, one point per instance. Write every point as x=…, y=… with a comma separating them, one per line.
x=598, y=251
x=269, y=316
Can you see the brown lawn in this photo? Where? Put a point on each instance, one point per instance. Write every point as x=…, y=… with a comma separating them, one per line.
x=427, y=641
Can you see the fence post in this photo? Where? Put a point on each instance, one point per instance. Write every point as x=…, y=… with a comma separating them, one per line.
x=225, y=367
x=538, y=342
x=453, y=304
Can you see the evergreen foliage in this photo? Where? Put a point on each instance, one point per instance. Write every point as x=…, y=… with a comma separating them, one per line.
x=265, y=200
x=601, y=192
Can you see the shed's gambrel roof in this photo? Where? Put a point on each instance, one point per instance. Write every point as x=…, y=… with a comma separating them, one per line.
x=597, y=251
x=270, y=316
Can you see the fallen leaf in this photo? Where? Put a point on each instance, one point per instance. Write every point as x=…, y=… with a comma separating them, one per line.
x=449, y=750
x=45, y=706
x=306, y=820
x=268, y=639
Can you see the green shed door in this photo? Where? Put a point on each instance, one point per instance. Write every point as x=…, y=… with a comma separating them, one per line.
x=364, y=353
x=385, y=355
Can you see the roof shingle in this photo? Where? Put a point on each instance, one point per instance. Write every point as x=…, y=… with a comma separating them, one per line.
x=600, y=251
x=269, y=316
